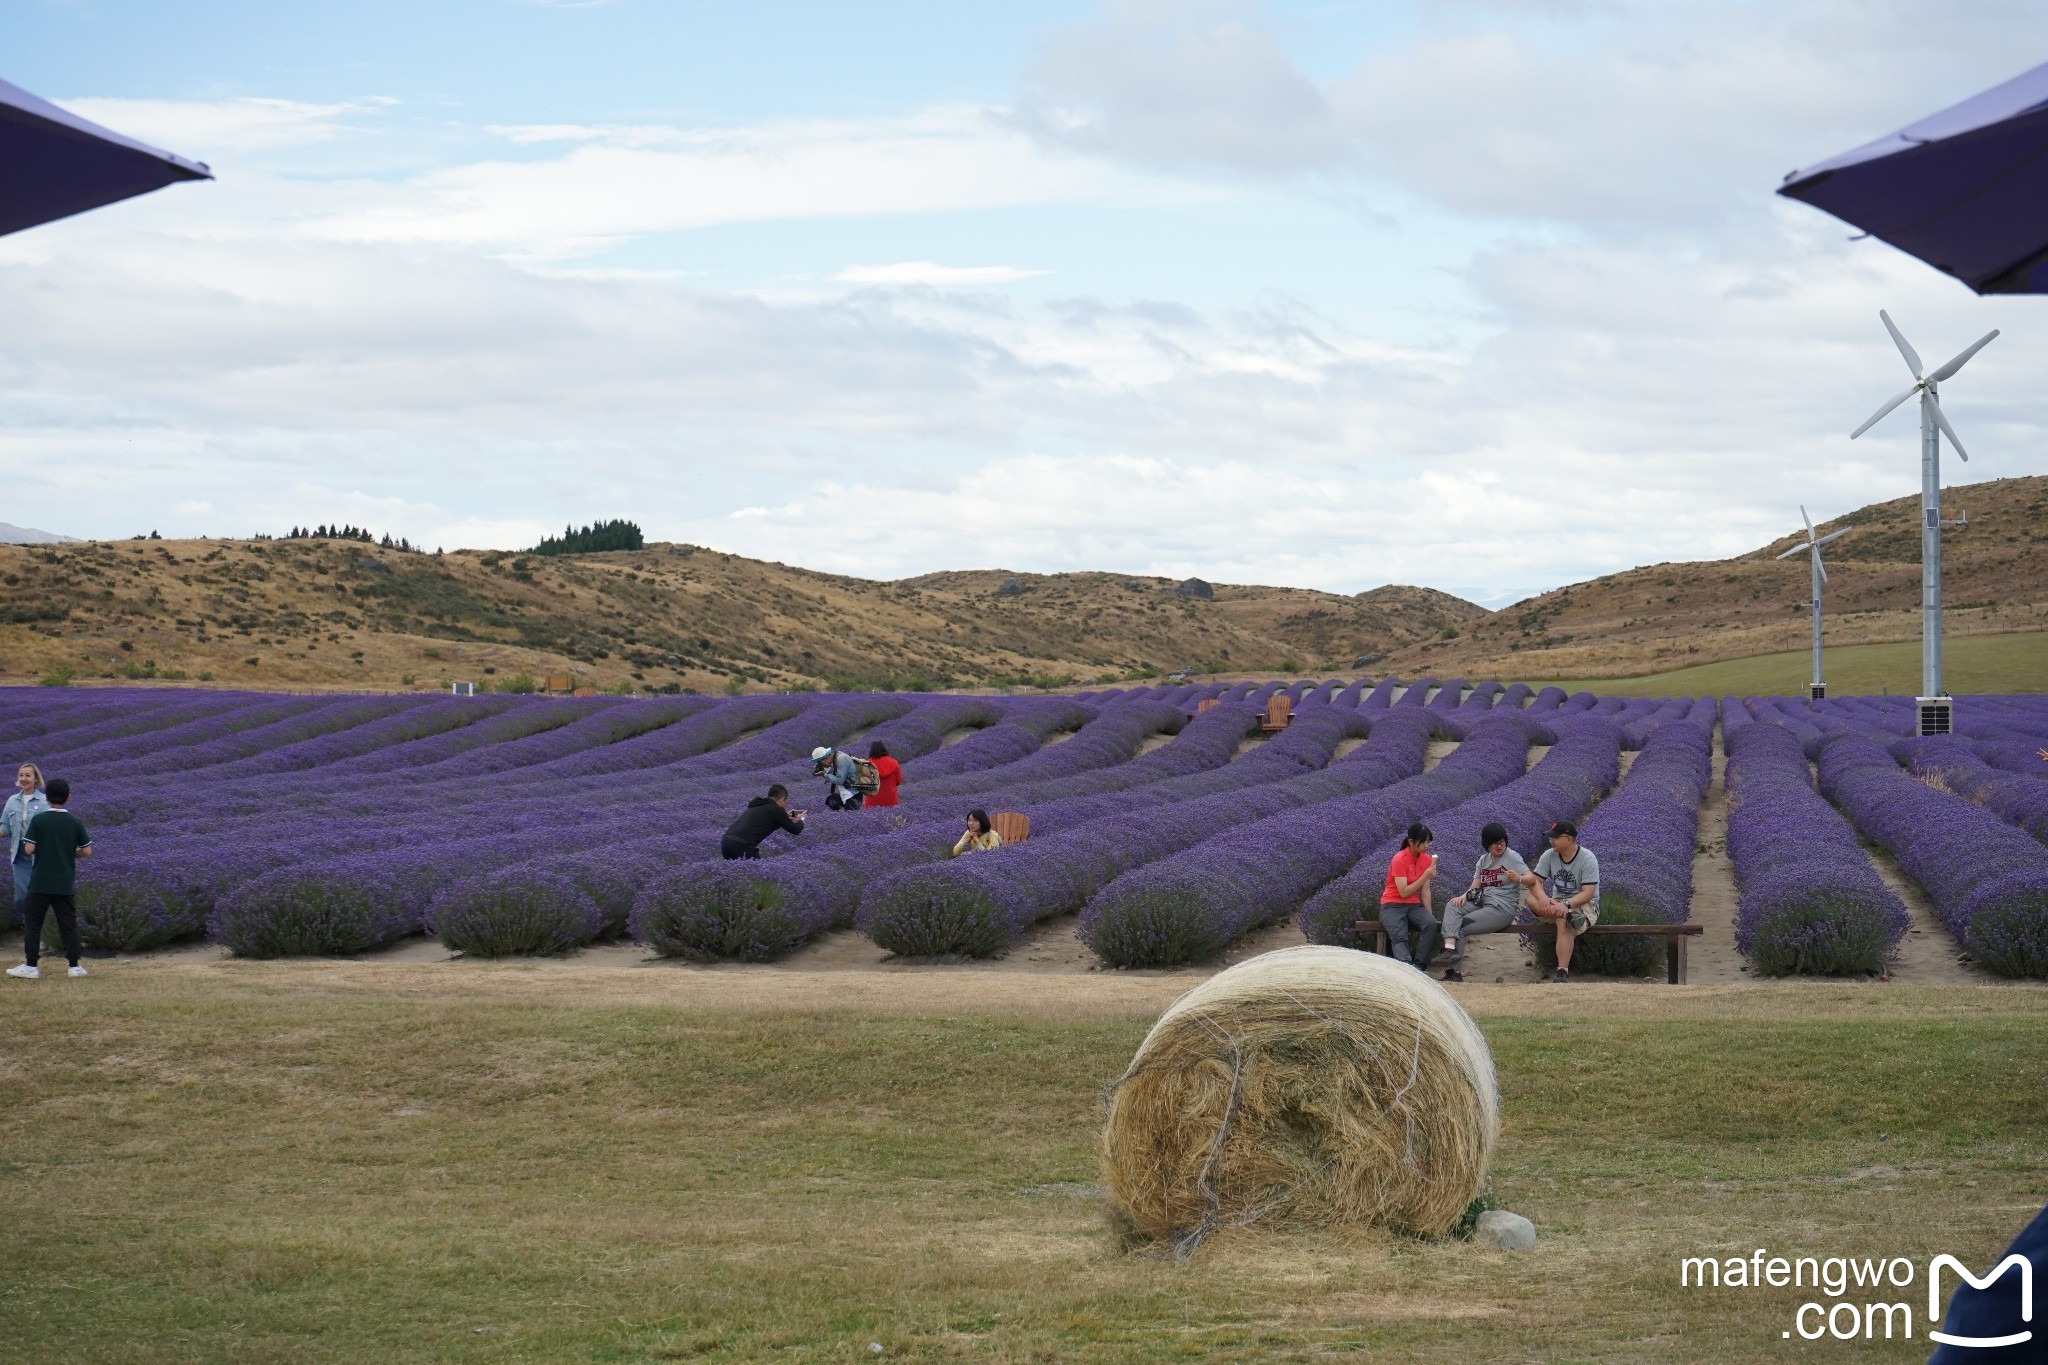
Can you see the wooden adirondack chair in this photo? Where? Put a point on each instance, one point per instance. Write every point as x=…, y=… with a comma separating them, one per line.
x=1207, y=704
x=1279, y=711
x=1014, y=826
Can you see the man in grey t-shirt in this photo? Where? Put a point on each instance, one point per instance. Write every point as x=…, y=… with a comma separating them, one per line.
x=1489, y=904
x=1570, y=894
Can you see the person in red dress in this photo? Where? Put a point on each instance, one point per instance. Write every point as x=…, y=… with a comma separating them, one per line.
x=891, y=773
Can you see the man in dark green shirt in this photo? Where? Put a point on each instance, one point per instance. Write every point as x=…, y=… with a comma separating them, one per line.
x=56, y=839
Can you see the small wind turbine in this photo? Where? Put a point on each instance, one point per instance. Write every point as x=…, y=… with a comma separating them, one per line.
x=1934, y=711
x=1819, y=690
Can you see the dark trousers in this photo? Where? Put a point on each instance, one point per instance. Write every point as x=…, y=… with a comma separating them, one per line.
x=40, y=902
x=732, y=849
x=1400, y=918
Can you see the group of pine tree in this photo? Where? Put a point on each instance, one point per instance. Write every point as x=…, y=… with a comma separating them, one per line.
x=347, y=533
x=599, y=536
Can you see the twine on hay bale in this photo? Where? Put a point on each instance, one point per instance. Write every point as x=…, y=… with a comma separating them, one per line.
x=1318, y=1086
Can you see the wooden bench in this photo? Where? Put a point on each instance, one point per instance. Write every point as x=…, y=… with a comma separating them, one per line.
x=1207, y=704
x=1675, y=936
x=559, y=682
x=1279, y=711
x=1014, y=826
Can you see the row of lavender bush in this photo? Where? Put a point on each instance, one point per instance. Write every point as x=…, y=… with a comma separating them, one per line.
x=1987, y=880
x=1810, y=901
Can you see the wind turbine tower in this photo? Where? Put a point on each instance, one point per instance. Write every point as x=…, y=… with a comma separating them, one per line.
x=1935, y=714
x=1818, y=691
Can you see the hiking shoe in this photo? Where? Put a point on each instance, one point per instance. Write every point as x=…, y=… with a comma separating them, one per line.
x=1453, y=974
x=25, y=972
x=1562, y=976
x=75, y=970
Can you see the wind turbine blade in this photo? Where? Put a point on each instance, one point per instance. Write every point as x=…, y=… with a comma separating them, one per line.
x=1832, y=535
x=1822, y=567
x=1796, y=549
x=1879, y=415
x=1808, y=520
x=1945, y=371
x=1905, y=347
x=1950, y=432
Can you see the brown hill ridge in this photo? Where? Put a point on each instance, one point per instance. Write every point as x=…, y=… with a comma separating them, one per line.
x=1664, y=616
x=320, y=612
x=336, y=613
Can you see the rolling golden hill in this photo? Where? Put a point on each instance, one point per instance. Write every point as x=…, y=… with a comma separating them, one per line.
x=1670, y=616
x=318, y=613
x=339, y=613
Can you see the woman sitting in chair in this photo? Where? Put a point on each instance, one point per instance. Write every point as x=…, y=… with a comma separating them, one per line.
x=979, y=837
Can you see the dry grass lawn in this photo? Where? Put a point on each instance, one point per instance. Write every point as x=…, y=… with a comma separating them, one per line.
x=344, y=1161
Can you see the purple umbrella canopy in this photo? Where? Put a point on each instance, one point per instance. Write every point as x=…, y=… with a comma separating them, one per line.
x=54, y=164
x=1965, y=190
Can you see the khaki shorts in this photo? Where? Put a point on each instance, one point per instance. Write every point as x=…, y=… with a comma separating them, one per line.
x=1583, y=918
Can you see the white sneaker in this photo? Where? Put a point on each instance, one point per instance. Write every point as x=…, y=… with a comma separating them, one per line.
x=75, y=971
x=25, y=972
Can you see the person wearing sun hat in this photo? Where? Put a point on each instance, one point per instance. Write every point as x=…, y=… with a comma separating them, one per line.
x=842, y=778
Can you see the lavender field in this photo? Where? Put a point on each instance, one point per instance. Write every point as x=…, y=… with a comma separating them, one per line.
x=312, y=825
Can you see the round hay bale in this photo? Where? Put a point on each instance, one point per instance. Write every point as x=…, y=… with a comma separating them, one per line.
x=1319, y=1086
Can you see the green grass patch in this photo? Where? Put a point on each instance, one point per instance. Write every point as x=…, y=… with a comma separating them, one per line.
x=218, y=1168
x=1970, y=663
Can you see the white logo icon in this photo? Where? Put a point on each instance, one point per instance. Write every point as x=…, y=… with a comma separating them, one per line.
x=2026, y=1268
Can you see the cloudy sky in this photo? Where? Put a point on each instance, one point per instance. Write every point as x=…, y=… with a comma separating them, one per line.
x=1486, y=296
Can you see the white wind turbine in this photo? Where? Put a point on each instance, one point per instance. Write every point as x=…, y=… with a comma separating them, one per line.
x=1934, y=716
x=1811, y=547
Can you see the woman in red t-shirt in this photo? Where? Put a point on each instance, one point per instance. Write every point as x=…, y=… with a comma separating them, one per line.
x=1404, y=905
x=891, y=773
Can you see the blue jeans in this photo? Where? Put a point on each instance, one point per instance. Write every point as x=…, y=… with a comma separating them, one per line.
x=22, y=868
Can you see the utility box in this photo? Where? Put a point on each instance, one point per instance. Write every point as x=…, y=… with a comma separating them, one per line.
x=1936, y=716
x=1817, y=692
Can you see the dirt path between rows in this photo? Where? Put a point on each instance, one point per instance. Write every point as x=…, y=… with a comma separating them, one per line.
x=1712, y=957
x=1927, y=955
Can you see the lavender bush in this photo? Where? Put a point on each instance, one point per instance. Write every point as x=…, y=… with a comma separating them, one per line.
x=739, y=911
x=329, y=909
x=1810, y=901
x=1987, y=880
x=516, y=910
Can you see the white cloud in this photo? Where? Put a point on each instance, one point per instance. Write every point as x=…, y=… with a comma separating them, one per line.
x=615, y=184
x=211, y=129
x=1181, y=85
x=930, y=272
x=1639, y=365
x=1629, y=112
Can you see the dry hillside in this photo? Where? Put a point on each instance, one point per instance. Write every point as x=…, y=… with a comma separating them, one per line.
x=326, y=613
x=330, y=612
x=1994, y=579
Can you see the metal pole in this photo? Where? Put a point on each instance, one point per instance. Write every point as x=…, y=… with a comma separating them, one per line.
x=1814, y=555
x=1930, y=547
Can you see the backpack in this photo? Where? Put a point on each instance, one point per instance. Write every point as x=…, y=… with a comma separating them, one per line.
x=867, y=778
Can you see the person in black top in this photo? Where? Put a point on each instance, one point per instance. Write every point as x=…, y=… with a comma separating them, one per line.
x=762, y=817
x=57, y=839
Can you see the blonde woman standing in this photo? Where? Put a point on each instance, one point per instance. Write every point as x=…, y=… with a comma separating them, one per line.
x=23, y=805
